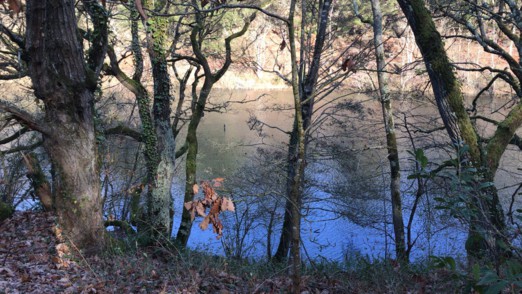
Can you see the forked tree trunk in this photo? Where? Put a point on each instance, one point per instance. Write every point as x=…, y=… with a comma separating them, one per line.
x=63, y=83
x=304, y=100
x=198, y=108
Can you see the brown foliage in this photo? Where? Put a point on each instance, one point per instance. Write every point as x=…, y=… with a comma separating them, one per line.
x=14, y=5
x=212, y=201
x=349, y=65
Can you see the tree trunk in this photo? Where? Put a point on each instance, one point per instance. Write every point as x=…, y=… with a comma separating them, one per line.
x=286, y=231
x=487, y=225
x=391, y=141
x=64, y=84
x=191, y=165
x=304, y=99
x=159, y=205
x=159, y=198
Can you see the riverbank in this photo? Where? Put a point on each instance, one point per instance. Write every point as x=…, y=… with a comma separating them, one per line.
x=35, y=258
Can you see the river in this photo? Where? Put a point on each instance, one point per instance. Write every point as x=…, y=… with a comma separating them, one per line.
x=333, y=229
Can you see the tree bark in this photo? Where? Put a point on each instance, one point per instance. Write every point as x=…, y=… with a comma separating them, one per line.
x=391, y=140
x=65, y=85
x=39, y=182
x=487, y=225
x=295, y=196
x=159, y=197
x=286, y=231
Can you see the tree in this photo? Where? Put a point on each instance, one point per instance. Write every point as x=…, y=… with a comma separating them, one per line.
x=159, y=198
x=199, y=33
x=391, y=140
x=65, y=81
x=304, y=90
x=487, y=236
x=156, y=126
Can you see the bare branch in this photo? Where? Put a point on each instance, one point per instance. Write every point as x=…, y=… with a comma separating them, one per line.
x=22, y=148
x=24, y=117
x=14, y=136
x=124, y=131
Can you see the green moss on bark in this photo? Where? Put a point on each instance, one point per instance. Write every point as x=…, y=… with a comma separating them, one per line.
x=6, y=211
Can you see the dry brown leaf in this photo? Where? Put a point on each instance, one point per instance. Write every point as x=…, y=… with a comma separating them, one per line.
x=200, y=209
x=227, y=204
x=192, y=215
x=15, y=6
x=282, y=46
x=195, y=189
x=25, y=278
x=188, y=205
x=204, y=223
x=218, y=182
x=154, y=275
x=62, y=249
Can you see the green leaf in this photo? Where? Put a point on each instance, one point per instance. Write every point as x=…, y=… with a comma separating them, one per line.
x=475, y=270
x=497, y=288
x=486, y=185
x=514, y=266
x=489, y=278
x=450, y=261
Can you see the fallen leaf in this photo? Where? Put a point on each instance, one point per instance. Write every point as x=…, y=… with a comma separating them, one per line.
x=9, y=272
x=154, y=275
x=25, y=278
x=195, y=189
x=349, y=65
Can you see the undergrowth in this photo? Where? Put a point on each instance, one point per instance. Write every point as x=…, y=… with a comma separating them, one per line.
x=182, y=269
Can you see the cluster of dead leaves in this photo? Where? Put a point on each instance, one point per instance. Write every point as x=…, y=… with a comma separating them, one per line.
x=212, y=201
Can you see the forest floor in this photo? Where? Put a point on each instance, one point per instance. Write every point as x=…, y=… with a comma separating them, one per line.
x=35, y=259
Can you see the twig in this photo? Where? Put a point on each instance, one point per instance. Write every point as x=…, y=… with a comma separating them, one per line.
x=83, y=257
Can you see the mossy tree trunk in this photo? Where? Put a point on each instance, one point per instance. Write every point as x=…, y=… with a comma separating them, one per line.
x=159, y=203
x=487, y=224
x=156, y=133
x=391, y=140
